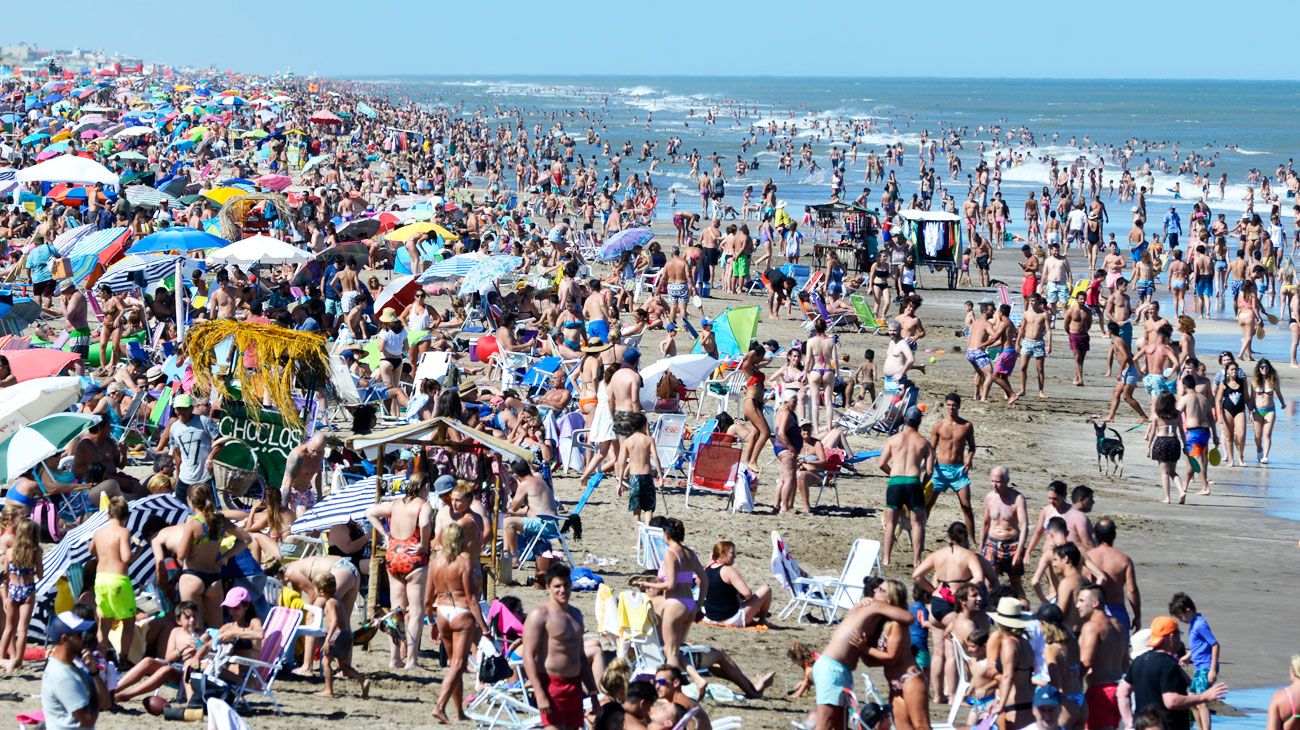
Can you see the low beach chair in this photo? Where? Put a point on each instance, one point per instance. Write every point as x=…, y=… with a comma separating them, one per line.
x=714, y=471
x=958, y=699
x=835, y=595
x=259, y=674
x=867, y=321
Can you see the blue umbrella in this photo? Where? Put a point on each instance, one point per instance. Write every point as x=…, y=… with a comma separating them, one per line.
x=177, y=238
x=34, y=138
x=484, y=275
x=624, y=241
x=451, y=268
x=15, y=316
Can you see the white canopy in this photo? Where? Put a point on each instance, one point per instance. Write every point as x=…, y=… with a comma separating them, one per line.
x=137, y=131
x=915, y=214
x=70, y=169
x=259, y=250
x=692, y=370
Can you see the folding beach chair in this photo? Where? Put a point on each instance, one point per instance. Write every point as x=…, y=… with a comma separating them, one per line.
x=650, y=546
x=958, y=699
x=841, y=320
x=714, y=471
x=867, y=321
x=806, y=593
x=433, y=365
x=259, y=674
x=668, y=432
x=685, y=457
x=839, y=594
x=540, y=541
x=731, y=385
x=828, y=476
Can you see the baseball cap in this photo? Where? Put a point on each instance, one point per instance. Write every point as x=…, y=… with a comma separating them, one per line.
x=706, y=322
x=236, y=596
x=1162, y=626
x=631, y=355
x=913, y=415
x=184, y=401
x=443, y=485
x=67, y=623
x=670, y=327
x=1047, y=696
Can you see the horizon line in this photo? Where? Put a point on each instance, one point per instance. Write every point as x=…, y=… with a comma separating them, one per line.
x=569, y=75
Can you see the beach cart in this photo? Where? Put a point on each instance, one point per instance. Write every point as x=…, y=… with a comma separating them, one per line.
x=935, y=237
x=853, y=233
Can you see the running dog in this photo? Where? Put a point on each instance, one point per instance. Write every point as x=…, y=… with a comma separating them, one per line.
x=1111, y=449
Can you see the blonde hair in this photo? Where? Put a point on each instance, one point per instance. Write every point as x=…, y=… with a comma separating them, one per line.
x=614, y=681
x=452, y=541
x=1295, y=666
x=26, y=551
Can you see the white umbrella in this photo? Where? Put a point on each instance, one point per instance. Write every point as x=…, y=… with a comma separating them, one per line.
x=32, y=400
x=137, y=131
x=259, y=250
x=70, y=169
x=692, y=370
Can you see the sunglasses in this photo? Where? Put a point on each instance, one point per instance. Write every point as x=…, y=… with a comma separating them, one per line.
x=662, y=682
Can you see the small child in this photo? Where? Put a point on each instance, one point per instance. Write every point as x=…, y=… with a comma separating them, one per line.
x=920, y=628
x=1202, y=652
x=163, y=480
x=669, y=345
x=803, y=657
x=963, y=276
x=984, y=675
x=968, y=319
x=338, y=640
x=22, y=549
x=864, y=377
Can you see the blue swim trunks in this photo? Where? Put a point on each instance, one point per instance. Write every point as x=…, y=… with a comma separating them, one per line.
x=598, y=328
x=949, y=476
x=832, y=680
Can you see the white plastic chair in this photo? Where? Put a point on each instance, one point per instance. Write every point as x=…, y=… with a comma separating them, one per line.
x=841, y=594
x=650, y=546
x=722, y=390
x=963, y=686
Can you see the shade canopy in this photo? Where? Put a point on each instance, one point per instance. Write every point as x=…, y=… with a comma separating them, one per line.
x=70, y=169
x=262, y=250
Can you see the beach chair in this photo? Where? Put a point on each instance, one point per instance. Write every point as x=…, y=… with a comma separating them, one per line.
x=1017, y=310
x=433, y=365
x=714, y=471
x=867, y=321
x=836, y=321
x=702, y=435
x=828, y=477
x=842, y=593
x=958, y=698
x=538, y=376
x=814, y=280
x=647, y=281
x=646, y=650
x=650, y=546
x=668, y=432
x=258, y=676
x=731, y=385
x=806, y=593
x=540, y=541
x=761, y=283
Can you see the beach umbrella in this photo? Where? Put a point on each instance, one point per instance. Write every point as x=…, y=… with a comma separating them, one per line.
x=29, y=445
x=315, y=161
x=275, y=183
x=74, y=195
x=34, y=138
x=486, y=274
x=177, y=238
x=129, y=156
x=232, y=101
x=624, y=240
x=142, y=177
x=359, y=229
x=153, y=267
x=146, y=197
x=222, y=195
x=256, y=134
x=39, y=362
x=70, y=169
x=345, y=504
x=733, y=330
x=325, y=116
x=407, y=232
x=35, y=399
x=15, y=315
x=262, y=250
x=398, y=293
x=691, y=369
x=136, y=131
x=455, y=267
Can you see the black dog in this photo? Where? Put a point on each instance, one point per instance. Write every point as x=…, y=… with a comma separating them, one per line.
x=1112, y=449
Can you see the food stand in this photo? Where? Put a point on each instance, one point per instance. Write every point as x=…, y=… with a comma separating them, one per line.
x=853, y=233
x=935, y=237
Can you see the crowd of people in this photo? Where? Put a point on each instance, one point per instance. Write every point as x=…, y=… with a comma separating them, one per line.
x=1084, y=657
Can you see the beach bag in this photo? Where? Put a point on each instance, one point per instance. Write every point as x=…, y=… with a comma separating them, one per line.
x=494, y=669
x=60, y=268
x=46, y=517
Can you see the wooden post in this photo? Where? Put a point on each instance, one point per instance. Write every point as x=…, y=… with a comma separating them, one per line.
x=496, y=516
x=376, y=557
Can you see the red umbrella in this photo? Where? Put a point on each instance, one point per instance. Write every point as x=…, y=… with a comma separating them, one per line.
x=325, y=116
x=397, y=294
x=39, y=362
x=73, y=195
x=388, y=221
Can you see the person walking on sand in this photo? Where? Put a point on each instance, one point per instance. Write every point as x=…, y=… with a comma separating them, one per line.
x=1078, y=322
x=114, y=595
x=1034, y=342
x=1164, y=444
x=636, y=470
x=1128, y=374
x=1005, y=529
x=1197, y=413
x=1103, y=651
x=1004, y=336
x=953, y=439
x=337, y=642
x=980, y=337
x=554, y=660
x=908, y=460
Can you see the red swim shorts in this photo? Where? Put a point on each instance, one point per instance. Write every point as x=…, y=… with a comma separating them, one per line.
x=565, y=694
x=1103, y=706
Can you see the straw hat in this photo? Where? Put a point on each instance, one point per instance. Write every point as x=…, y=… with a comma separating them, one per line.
x=1009, y=613
x=595, y=345
x=388, y=316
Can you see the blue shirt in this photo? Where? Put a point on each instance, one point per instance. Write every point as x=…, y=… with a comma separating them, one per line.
x=918, y=632
x=1201, y=642
x=38, y=263
x=1173, y=224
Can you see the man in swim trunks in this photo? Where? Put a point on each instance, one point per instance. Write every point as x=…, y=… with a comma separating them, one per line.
x=554, y=660
x=1200, y=426
x=833, y=671
x=1119, y=309
x=1103, y=648
x=677, y=281
x=1078, y=322
x=1056, y=275
x=908, y=460
x=74, y=310
x=1035, y=341
x=982, y=251
x=639, y=460
x=1128, y=374
x=114, y=594
x=1117, y=578
x=1006, y=528
x=533, y=499
x=953, y=439
x=1004, y=336
x=980, y=337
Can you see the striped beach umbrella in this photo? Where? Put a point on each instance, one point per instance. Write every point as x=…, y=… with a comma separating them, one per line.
x=348, y=503
x=37, y=441
x=121, y=276
x=483, y=276
x=455, y=267
x=147, y=197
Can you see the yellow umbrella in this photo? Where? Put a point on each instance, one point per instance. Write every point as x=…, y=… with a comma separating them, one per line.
x=221, y=196
x=407, y=232
x=62, y=135
x=295, y=131
x=183, y=88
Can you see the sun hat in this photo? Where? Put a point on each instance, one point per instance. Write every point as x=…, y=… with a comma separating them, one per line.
x=236, y=596
x=184, y=401
x=388, y=316
x=595, y=345
x=1161, y=626
x=443, y=485
x=67, y=284
x=1009, y=613
x=155, y=373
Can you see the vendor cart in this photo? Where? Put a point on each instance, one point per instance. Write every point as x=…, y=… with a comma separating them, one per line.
x=935, y=236
x=853, y=233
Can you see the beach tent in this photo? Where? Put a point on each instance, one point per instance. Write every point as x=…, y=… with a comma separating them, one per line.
x=734, y=329
x=68, y=168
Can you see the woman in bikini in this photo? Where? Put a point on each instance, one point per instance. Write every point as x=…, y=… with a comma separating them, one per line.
x=268, y=526
x=406, y=555
x=453, y=599
x=1014, y=656
x=1265, y=386
x=1248, y=318
x=793, y=377
x=822, y=357
x=751, y=366
x=893, y=650
x=1061, y=658
x=953, y=567
x=1284, y=710
x=202, y=551
x=675, y=582
x=1232, y=394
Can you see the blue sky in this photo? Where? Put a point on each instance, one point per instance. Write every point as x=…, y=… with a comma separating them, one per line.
x=1098, y=39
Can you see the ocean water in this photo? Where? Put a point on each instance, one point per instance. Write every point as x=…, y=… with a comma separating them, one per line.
x=1243, y=125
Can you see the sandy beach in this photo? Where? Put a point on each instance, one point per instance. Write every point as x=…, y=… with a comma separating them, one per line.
x=1234, y=560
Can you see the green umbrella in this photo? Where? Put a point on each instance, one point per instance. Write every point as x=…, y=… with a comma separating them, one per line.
x=39, y=440
x=145, y=177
